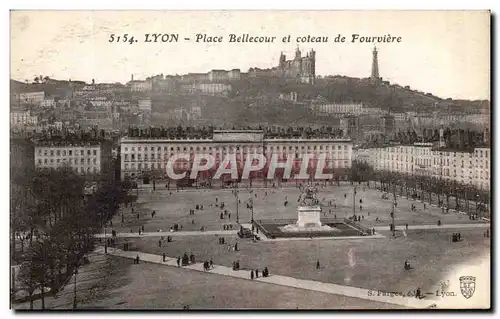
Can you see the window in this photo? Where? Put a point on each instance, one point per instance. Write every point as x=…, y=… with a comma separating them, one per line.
x=58, y=153
x=95, y=152
x=70, y=152
x=139, y=148
x=81, y=153
x=51, y=153
x=45, y=161
x=94, y=160
x=45, y=152
x=126, y=149
x=81, y=160
x=58, y=161
x=152, y=148
x=39, y=161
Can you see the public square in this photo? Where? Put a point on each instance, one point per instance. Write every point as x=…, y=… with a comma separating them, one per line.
x=367, y=263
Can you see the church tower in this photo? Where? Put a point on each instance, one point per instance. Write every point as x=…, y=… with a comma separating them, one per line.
x=375, y=76
x=282, y=61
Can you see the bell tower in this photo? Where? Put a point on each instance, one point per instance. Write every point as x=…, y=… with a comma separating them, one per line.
x=375, y=75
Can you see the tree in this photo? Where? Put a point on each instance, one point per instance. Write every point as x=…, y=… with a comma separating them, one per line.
x=28, y=280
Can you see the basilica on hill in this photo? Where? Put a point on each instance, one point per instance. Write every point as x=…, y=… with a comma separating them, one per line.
x=301, y=68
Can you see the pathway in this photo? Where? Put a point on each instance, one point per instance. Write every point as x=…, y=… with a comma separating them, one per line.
x=234, y=232
x=435, y=226
x=348, y=291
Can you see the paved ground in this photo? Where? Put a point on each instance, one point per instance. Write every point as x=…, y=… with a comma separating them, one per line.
x=174, y=208
x=357, y=263
x=364, y=263
x=111, y=282
x=234, y=232
x=405, y=301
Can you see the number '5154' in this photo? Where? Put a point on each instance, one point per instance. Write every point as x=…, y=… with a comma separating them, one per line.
x=123, y=38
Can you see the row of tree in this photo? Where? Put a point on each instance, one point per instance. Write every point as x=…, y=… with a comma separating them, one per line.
x=449, y=193
x=53, y=223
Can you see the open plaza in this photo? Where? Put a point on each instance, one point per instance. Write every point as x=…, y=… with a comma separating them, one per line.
x=340, y=271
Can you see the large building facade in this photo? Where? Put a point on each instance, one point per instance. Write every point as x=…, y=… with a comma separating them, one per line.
x=467, y=167
x=84, y=157
x=141, y=156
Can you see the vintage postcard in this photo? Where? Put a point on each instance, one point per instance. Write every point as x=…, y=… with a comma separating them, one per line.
x=250, y=160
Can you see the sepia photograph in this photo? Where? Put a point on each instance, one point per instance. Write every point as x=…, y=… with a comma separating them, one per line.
x=242, y=160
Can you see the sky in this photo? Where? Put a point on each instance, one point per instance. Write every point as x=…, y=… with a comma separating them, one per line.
x=446, y=53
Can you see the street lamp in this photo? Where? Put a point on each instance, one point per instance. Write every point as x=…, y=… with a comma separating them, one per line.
x=251, y=207
x=393, y=211
x=74, y=287
x=105, y=239
x=236, y=192
x=354, y=202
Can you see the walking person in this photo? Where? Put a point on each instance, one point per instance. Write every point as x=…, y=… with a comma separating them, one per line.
x=178, y=261
x=164, y=257
x=317, y=264
x=251, y=274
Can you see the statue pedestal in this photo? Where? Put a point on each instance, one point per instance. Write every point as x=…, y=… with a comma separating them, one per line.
x=309, y=216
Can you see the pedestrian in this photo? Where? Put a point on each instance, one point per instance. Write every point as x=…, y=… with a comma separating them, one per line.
x=143, y=228
x=164, y=257
x=211, y=263
x=266, y=272
x=236, y=247
x=178, y=261
x=418, y=294
x=159, y=243
x=257, y=273
x=317, y=264
x=139, y=231
x=251, y=274
x=229, y=215
x=137, y=259
x=406, y=226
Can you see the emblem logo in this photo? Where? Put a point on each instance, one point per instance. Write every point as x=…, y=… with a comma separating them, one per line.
x=467, y=286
